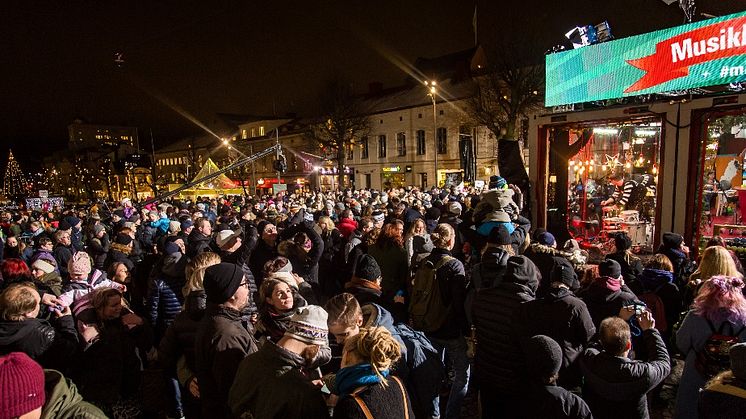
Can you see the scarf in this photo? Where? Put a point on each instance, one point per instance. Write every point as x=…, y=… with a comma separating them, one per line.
x=350, y=378
x=611, y=284
x=356, y=282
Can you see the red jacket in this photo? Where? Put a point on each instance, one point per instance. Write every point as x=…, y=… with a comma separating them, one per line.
x=347, y=226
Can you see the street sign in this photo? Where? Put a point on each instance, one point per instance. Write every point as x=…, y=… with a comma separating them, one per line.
x=43, y=193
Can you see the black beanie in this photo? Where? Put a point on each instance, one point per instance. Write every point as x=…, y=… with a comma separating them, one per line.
x=367, y=268
x=610, y=268
x=564, y=273
x=64, y=225
x=221, y=282
x=499, y=235
x=123, y=238
x=622, y=242
x=543, y=356
x=672, y=240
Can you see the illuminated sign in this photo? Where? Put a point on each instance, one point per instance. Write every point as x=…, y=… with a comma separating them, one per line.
x=391, y=169
x=706, y=53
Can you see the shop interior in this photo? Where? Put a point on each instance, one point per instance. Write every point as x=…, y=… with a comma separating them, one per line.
x=722, y=181
x=611, y=183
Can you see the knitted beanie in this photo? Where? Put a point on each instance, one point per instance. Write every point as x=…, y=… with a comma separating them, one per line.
x=174, y=227
x=367, y=268
x=21, y=385
x=221, y=282
x=543, y=356
x=610, y=268
x=308, y=325
x=43, y=265
x=79, y=265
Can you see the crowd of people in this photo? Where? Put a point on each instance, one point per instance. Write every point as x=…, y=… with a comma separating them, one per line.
x=223, y=308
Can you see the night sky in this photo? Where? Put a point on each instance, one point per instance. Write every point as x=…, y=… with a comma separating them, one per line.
x=246, y=57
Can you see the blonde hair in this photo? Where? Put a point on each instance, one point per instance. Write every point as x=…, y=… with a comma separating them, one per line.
x=442, y=236
x=716, y=260
x=376, y=346
x=195, y=271
x=326, y=222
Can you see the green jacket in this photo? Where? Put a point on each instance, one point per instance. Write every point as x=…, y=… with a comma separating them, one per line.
x=63, y=400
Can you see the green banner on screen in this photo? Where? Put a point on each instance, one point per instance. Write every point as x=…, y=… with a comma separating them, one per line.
x=707, y=53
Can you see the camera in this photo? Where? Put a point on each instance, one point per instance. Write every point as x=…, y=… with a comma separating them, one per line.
x=56, y=308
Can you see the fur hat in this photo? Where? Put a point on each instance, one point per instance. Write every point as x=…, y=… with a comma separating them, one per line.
x=221, y=281
x=367, y=268
x=79, y=264
x=308, y=325
x=543, y=355
x=22, y=385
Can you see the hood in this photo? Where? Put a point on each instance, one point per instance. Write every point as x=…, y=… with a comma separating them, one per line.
x=14, y=331
x=555, y=294
x=61, y=395
x=544, y=249
x=377, y=316
x=174, y=265
x=520, y=270
x=493, y=255
x=652, y=279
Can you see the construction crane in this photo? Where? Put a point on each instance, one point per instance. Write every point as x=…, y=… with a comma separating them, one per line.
x=276, y=148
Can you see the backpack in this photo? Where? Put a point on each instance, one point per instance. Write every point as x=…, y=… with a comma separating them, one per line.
x=655, y=305
x=426, y=306
x=715, y=355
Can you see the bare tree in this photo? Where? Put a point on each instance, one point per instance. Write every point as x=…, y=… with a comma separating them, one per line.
x=344, y=119
x=509, y=88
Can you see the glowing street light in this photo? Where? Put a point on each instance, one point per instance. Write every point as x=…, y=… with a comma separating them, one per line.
x=431, y=85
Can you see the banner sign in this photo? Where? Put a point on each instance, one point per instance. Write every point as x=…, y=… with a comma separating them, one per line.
x=45, y=204
x=706, y=53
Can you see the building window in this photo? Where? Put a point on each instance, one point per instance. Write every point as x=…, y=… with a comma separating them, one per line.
x=401, y=118
x=421, y=142
x=244, y=134
x=261, y=131
x=442, y=141
x=252, y=133
x=382, y=146
x=350, y=151
x=441, y=113
x=364, y=147
x=401, y=144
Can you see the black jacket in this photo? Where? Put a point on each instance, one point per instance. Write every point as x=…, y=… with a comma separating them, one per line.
x=603, y=302
x=51, y=345
x=262, y=254
x=616, y=387
x=221, y=343
x=270, y=384
x=546, y=258
x=631, y=265
x=241, y=257
x=452, y=282
x=181, y=335
x=551, y=401
x=99, y=250
x=563, y=317
x=197, y=243
x=305, y=265
x=499, y=362
x=116, y=254
x=63, y=254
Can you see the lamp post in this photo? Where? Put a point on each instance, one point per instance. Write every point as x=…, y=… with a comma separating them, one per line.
x=431, y=92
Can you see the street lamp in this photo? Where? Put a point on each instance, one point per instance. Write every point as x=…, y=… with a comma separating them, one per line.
x=430, y=84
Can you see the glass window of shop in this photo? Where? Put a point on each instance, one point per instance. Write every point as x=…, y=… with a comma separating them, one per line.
x=612, y=173
x=721, y=181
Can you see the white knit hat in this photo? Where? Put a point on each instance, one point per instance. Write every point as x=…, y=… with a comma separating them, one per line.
x=43, y=266
x=308, y=325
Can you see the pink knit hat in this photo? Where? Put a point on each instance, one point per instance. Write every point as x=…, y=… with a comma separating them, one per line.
x=21, y=385
x=79, y=264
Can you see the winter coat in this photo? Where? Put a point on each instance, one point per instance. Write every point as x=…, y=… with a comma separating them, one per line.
x=551, y=401
x=563, y=317
x=109, y=369
x=616, y=387
x=270, y=384
x=50, y=343
x=458, y=245
x=722, y=399
x=262, y=254
x=365, y=292
x=420, y=365
x=181, y=335
x=63, y=254
x=75, y=294
x=63, y=400
x=390, y=402
x=51, y=281
x=546, y=258
x=305, y=264
x=221, y=343
x=330, y=276
x=661, y=284
x=498, y=361
x=346, y=227
x=393, y=263
x=680, y=262
x=165, y=298
x=120, y=253
x=631, y=265
x=603, y=302
x=99, y=250
x=452, y=283
x=197, y=243
x=690, y=339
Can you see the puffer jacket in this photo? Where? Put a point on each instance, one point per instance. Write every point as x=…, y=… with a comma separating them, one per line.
x=51, y=344
x=603, y=302
x=498, y=358
x=420, y=365
x=164, y=298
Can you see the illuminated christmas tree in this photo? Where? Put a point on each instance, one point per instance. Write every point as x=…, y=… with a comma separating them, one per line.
x=14, y=182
